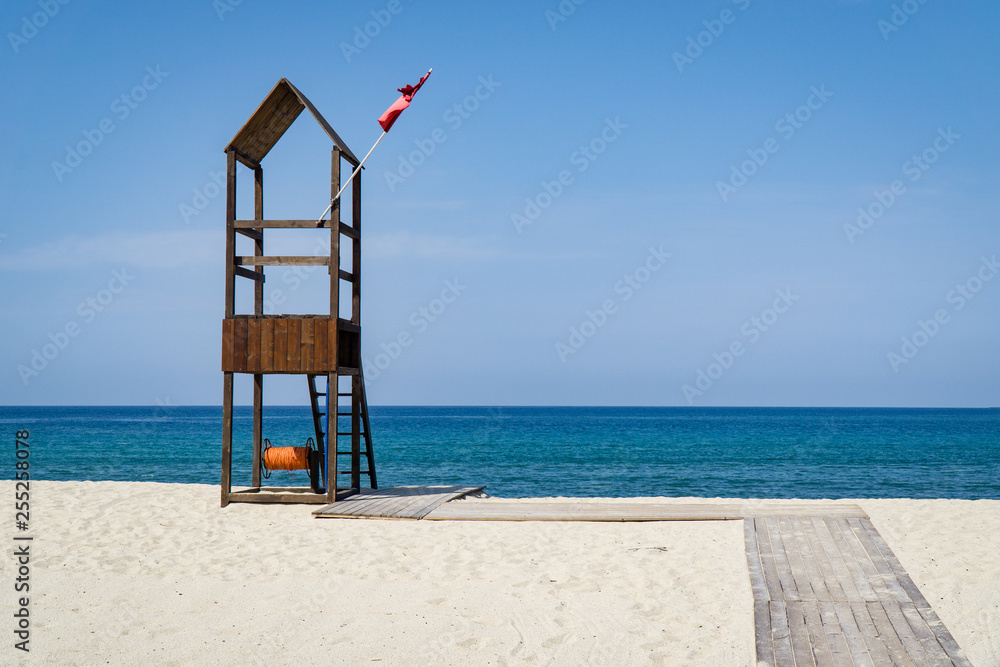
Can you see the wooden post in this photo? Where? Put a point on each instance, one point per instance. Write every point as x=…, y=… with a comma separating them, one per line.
x=258, y=310
x=227, y=379
x=230, y=233
x=258, y=214
x=332, y=385
x=356, y=256
x=335, y=240
x=332, y=421
x=227, y=436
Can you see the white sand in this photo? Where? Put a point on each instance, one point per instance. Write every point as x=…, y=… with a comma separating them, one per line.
x=142, y=573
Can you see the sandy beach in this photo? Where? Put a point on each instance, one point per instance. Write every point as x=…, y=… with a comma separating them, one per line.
x=148, y=573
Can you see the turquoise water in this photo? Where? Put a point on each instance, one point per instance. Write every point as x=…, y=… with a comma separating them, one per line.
x=524, y=452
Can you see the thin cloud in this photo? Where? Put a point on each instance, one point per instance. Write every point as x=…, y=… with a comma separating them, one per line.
x=154, y=250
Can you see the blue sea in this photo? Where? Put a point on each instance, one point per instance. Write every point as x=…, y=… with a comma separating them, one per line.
x=530, y=452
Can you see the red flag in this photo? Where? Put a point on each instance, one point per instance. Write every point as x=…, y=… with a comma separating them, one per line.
x=392, y=113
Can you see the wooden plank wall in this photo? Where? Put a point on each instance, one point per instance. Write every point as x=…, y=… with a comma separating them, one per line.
x=285, y=345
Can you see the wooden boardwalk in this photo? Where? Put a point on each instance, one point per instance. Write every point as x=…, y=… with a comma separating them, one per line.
x=398, y=502
x=493, y=510
x=828, y=591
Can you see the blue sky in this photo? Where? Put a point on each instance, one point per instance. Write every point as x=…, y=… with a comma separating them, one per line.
x=646, y=204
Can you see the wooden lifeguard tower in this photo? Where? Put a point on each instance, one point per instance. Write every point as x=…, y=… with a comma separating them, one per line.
x=316, y=346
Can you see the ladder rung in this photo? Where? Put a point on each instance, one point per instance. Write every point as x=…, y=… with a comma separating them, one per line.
x=345, y=394
x=348, y=472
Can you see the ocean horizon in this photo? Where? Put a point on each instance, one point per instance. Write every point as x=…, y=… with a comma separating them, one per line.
x=555, y=451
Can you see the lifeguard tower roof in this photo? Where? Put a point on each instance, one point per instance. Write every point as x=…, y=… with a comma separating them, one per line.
x=275, y=115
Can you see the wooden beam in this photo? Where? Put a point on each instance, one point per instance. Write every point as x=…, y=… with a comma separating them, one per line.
x=335, y=156
x=227, y=437
x=282, y=224
x=258, y=246
x=283, y=260
x=333, y=387
x=247, y=273
x=254, y=328
x=353, y=161
x=331, y=443
x=344, y=275
x=230, y=234
x=356, y=252
x=246, y=159
x=261, y=497
x=258, y=415
x=347, y=230
x=251, y=233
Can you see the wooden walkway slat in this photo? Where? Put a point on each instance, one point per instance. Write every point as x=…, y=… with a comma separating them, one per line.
x=804, y=582
x=834, y=633
x=881, y=567
x=418, y=507
x=828, y=592
x=768, y=566
x=848, y=557
x=822, y=649
x=757, y=582
x=852, y=633
x=788, y=589
x=869, y=633
x=910, y=642
x=826, y=573
x=762, y=631
x=400, y=502
x=498, y=510
x=779, y=634
x=811, y=560
x=836, y=560
x=385, y=506
x=888, y=634
x=798, y=634
x=370, y=503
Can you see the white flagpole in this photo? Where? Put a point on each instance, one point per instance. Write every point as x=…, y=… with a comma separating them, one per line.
x=344, y=186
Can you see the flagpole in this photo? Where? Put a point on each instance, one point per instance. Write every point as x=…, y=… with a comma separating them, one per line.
x=344, y=187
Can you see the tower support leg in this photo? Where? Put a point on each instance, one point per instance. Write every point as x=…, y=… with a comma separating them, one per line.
x=258, y=426
x=227, y=436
